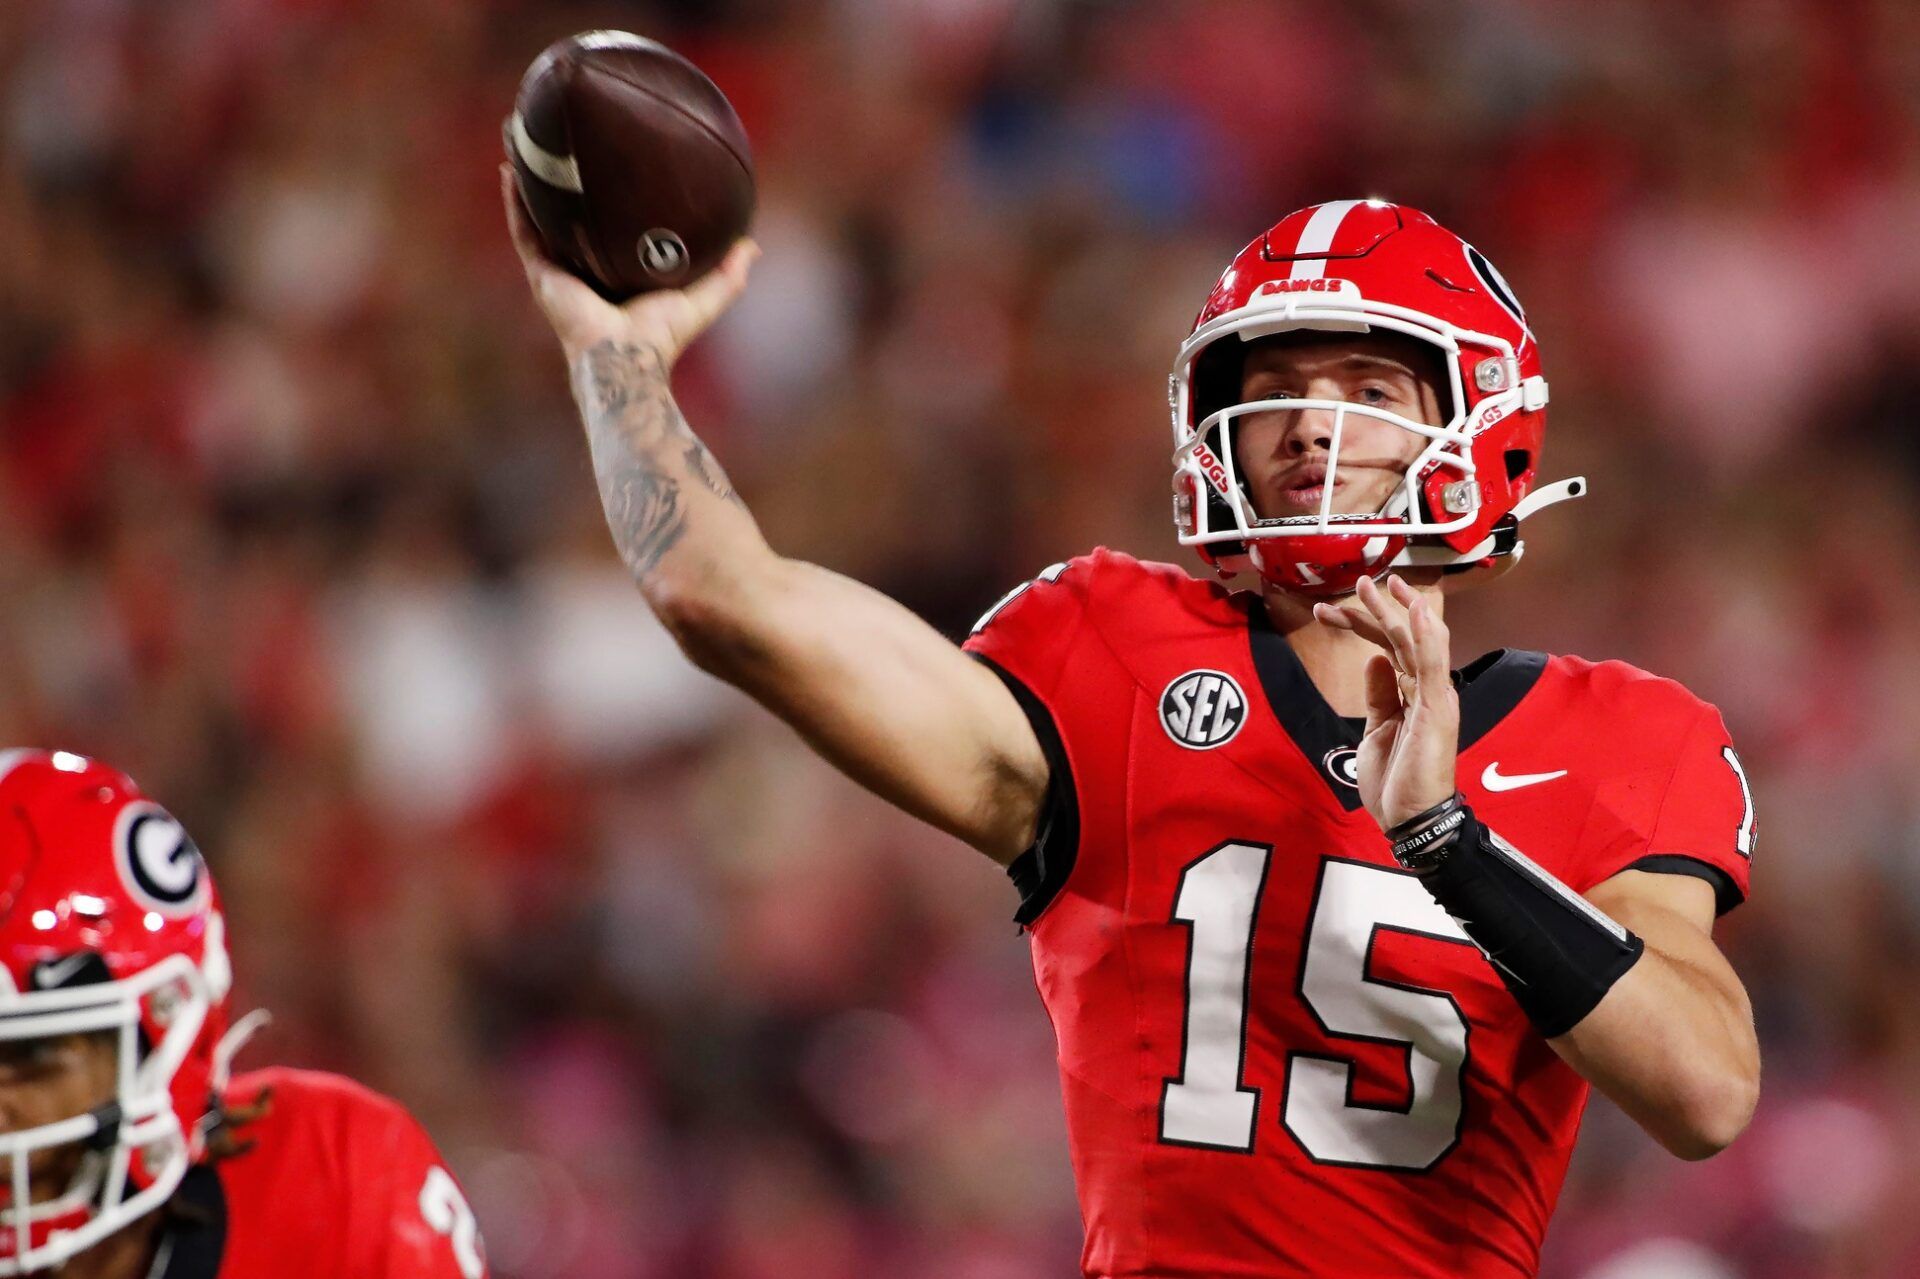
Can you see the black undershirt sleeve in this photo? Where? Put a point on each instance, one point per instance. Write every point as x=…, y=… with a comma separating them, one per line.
x=1039, y=873
x=1726, y=894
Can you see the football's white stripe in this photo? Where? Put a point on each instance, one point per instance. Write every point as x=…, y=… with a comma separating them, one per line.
x=554, y=170
x=1317, y=237
x=612, y=40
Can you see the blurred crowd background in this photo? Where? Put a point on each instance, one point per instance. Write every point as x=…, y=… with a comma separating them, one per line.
x=296, y=524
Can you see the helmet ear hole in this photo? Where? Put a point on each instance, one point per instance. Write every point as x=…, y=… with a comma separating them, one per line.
x=1216, y=379
x=1519, y=462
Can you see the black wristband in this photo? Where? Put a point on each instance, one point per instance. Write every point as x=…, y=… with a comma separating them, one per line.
x=1557, y=953
x=1422, y=841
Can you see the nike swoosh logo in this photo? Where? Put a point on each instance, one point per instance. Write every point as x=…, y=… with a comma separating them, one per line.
x=52, y=976
x=1494, y=780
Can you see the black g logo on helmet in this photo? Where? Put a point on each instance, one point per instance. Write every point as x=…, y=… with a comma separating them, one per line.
x=157, y=860
x=1497, y=287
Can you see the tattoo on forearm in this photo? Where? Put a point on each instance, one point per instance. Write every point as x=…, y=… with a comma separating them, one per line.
x=703, y=464
x=646, y=520
x=637, y=433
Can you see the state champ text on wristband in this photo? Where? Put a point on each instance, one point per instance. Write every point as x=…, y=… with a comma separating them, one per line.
x=1422, y=841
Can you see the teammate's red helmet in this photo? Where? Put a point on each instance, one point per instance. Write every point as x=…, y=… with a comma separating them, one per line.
x=108, y=923
x=1361, y=266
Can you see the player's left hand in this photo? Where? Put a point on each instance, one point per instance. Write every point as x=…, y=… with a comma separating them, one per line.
x=1406, y=763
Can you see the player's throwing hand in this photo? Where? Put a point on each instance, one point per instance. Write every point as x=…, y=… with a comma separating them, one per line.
x=666, y=321
x=1406, y=763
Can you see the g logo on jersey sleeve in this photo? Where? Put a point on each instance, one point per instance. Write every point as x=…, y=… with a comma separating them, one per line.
x=157, y=859
x=1203, y=709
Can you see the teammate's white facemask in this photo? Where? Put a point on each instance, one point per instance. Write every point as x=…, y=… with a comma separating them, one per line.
x=137, y=1122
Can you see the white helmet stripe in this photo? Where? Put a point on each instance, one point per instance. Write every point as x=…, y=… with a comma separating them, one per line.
x=1317, y=237
x=12, y=758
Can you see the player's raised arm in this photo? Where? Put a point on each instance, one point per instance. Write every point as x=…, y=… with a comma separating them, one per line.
x=874, y=689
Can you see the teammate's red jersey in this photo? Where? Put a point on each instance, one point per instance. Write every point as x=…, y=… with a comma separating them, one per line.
x=337, y=1183
x=1279, y=1056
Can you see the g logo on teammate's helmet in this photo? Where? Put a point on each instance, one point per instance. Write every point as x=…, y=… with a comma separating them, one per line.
x=1203, y=709
x=157, y=860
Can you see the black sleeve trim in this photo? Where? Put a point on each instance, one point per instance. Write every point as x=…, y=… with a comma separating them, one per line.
x=1041, y=872
x=1726, y=894
x=1492, y=685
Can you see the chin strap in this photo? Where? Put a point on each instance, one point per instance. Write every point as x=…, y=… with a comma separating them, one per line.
x=1504, y=542
x=1550, y=495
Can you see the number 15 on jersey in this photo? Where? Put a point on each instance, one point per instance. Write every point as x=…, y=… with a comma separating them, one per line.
x=1211, y=1104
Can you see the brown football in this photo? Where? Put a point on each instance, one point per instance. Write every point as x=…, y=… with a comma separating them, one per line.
x=631, y=163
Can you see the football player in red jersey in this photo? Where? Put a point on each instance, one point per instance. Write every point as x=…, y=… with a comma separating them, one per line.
x=1334, y=939
x=126, y=1149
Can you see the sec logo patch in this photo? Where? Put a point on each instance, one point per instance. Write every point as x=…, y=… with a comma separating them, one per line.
x=1203, y=709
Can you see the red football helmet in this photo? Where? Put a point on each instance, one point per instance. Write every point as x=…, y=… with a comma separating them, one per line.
x=108, y=923
x=1356, y=266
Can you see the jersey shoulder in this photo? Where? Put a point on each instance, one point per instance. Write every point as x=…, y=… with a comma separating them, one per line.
x=1126, y=588
x=308, y=1107
x=1117, y=596
x=331, y=1137
x=1622, y=694
x=1668, y=790
x=1072, y=645
x=1611, y=677
x=342, y=1177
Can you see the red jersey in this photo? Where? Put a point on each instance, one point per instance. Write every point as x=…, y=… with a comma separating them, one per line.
x=338, y=1183
x=1278, y=1055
